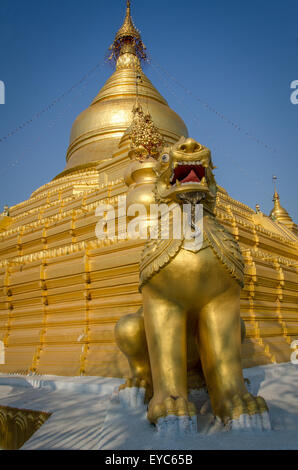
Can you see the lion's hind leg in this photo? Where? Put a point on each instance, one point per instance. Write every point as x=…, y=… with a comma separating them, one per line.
x=220, y=351
x=131, y=339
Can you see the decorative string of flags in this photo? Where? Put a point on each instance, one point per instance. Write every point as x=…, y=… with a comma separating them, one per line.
x=197, y=120
x=165, y=75
x=53, y=103
x=212, y=109
x=51, y=124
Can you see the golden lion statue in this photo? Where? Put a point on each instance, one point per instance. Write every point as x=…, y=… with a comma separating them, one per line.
x=188, y=333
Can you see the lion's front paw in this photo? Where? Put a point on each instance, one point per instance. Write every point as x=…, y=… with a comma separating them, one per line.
x=174, y=415
x=248, y=413
x=177, y=425
x=133, y=393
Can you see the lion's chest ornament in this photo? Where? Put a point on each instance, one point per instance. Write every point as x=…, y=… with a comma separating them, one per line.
x=188, y=333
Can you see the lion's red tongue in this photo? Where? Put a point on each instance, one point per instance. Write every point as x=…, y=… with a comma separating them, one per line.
x=191, y=178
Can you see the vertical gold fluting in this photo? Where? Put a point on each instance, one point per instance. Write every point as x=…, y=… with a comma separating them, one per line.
x=279, y=302
x=73, y=228
x=253, y=329
x=255, y=322
x=43, y=330
x=87, y=295
x=8, y=294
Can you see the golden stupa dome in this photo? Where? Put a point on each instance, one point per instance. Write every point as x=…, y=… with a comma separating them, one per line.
x=97, y=131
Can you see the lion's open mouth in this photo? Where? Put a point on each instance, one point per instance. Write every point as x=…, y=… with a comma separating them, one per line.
x=186, y=173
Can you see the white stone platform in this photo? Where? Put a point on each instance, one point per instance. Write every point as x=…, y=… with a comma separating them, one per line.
x=84, y=417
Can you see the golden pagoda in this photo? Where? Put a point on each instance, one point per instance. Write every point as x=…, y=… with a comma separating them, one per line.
x=62, y=290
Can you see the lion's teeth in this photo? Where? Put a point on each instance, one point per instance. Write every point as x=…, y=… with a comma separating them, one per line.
x=187, y=163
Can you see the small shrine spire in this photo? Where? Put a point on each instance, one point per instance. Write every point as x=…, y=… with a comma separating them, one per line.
x=128, y=39
x=279, y=213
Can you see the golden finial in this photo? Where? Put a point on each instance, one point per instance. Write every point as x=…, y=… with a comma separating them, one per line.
x=258, y=209
x=128, y=28
x=277, y=207
x=274, y=179
x=276, y=195
x=128, y=39
x=5, y=211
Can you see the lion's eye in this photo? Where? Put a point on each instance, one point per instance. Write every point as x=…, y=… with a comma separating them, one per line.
x=165, y=158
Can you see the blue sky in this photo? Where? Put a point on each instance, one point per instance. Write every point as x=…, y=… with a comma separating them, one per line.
x=239, y=57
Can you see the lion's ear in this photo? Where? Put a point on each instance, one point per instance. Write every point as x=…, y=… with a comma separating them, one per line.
x=180, y=142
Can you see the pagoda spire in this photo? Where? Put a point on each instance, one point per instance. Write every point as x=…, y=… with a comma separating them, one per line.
x=97, y=132
x=128, y=39
x=280, y=214
x=128, y=28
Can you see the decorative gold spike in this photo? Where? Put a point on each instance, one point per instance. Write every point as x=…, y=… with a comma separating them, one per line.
x=128, y=28
x=128, y=39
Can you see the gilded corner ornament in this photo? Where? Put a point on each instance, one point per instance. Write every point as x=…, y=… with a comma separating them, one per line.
x=146, y=140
